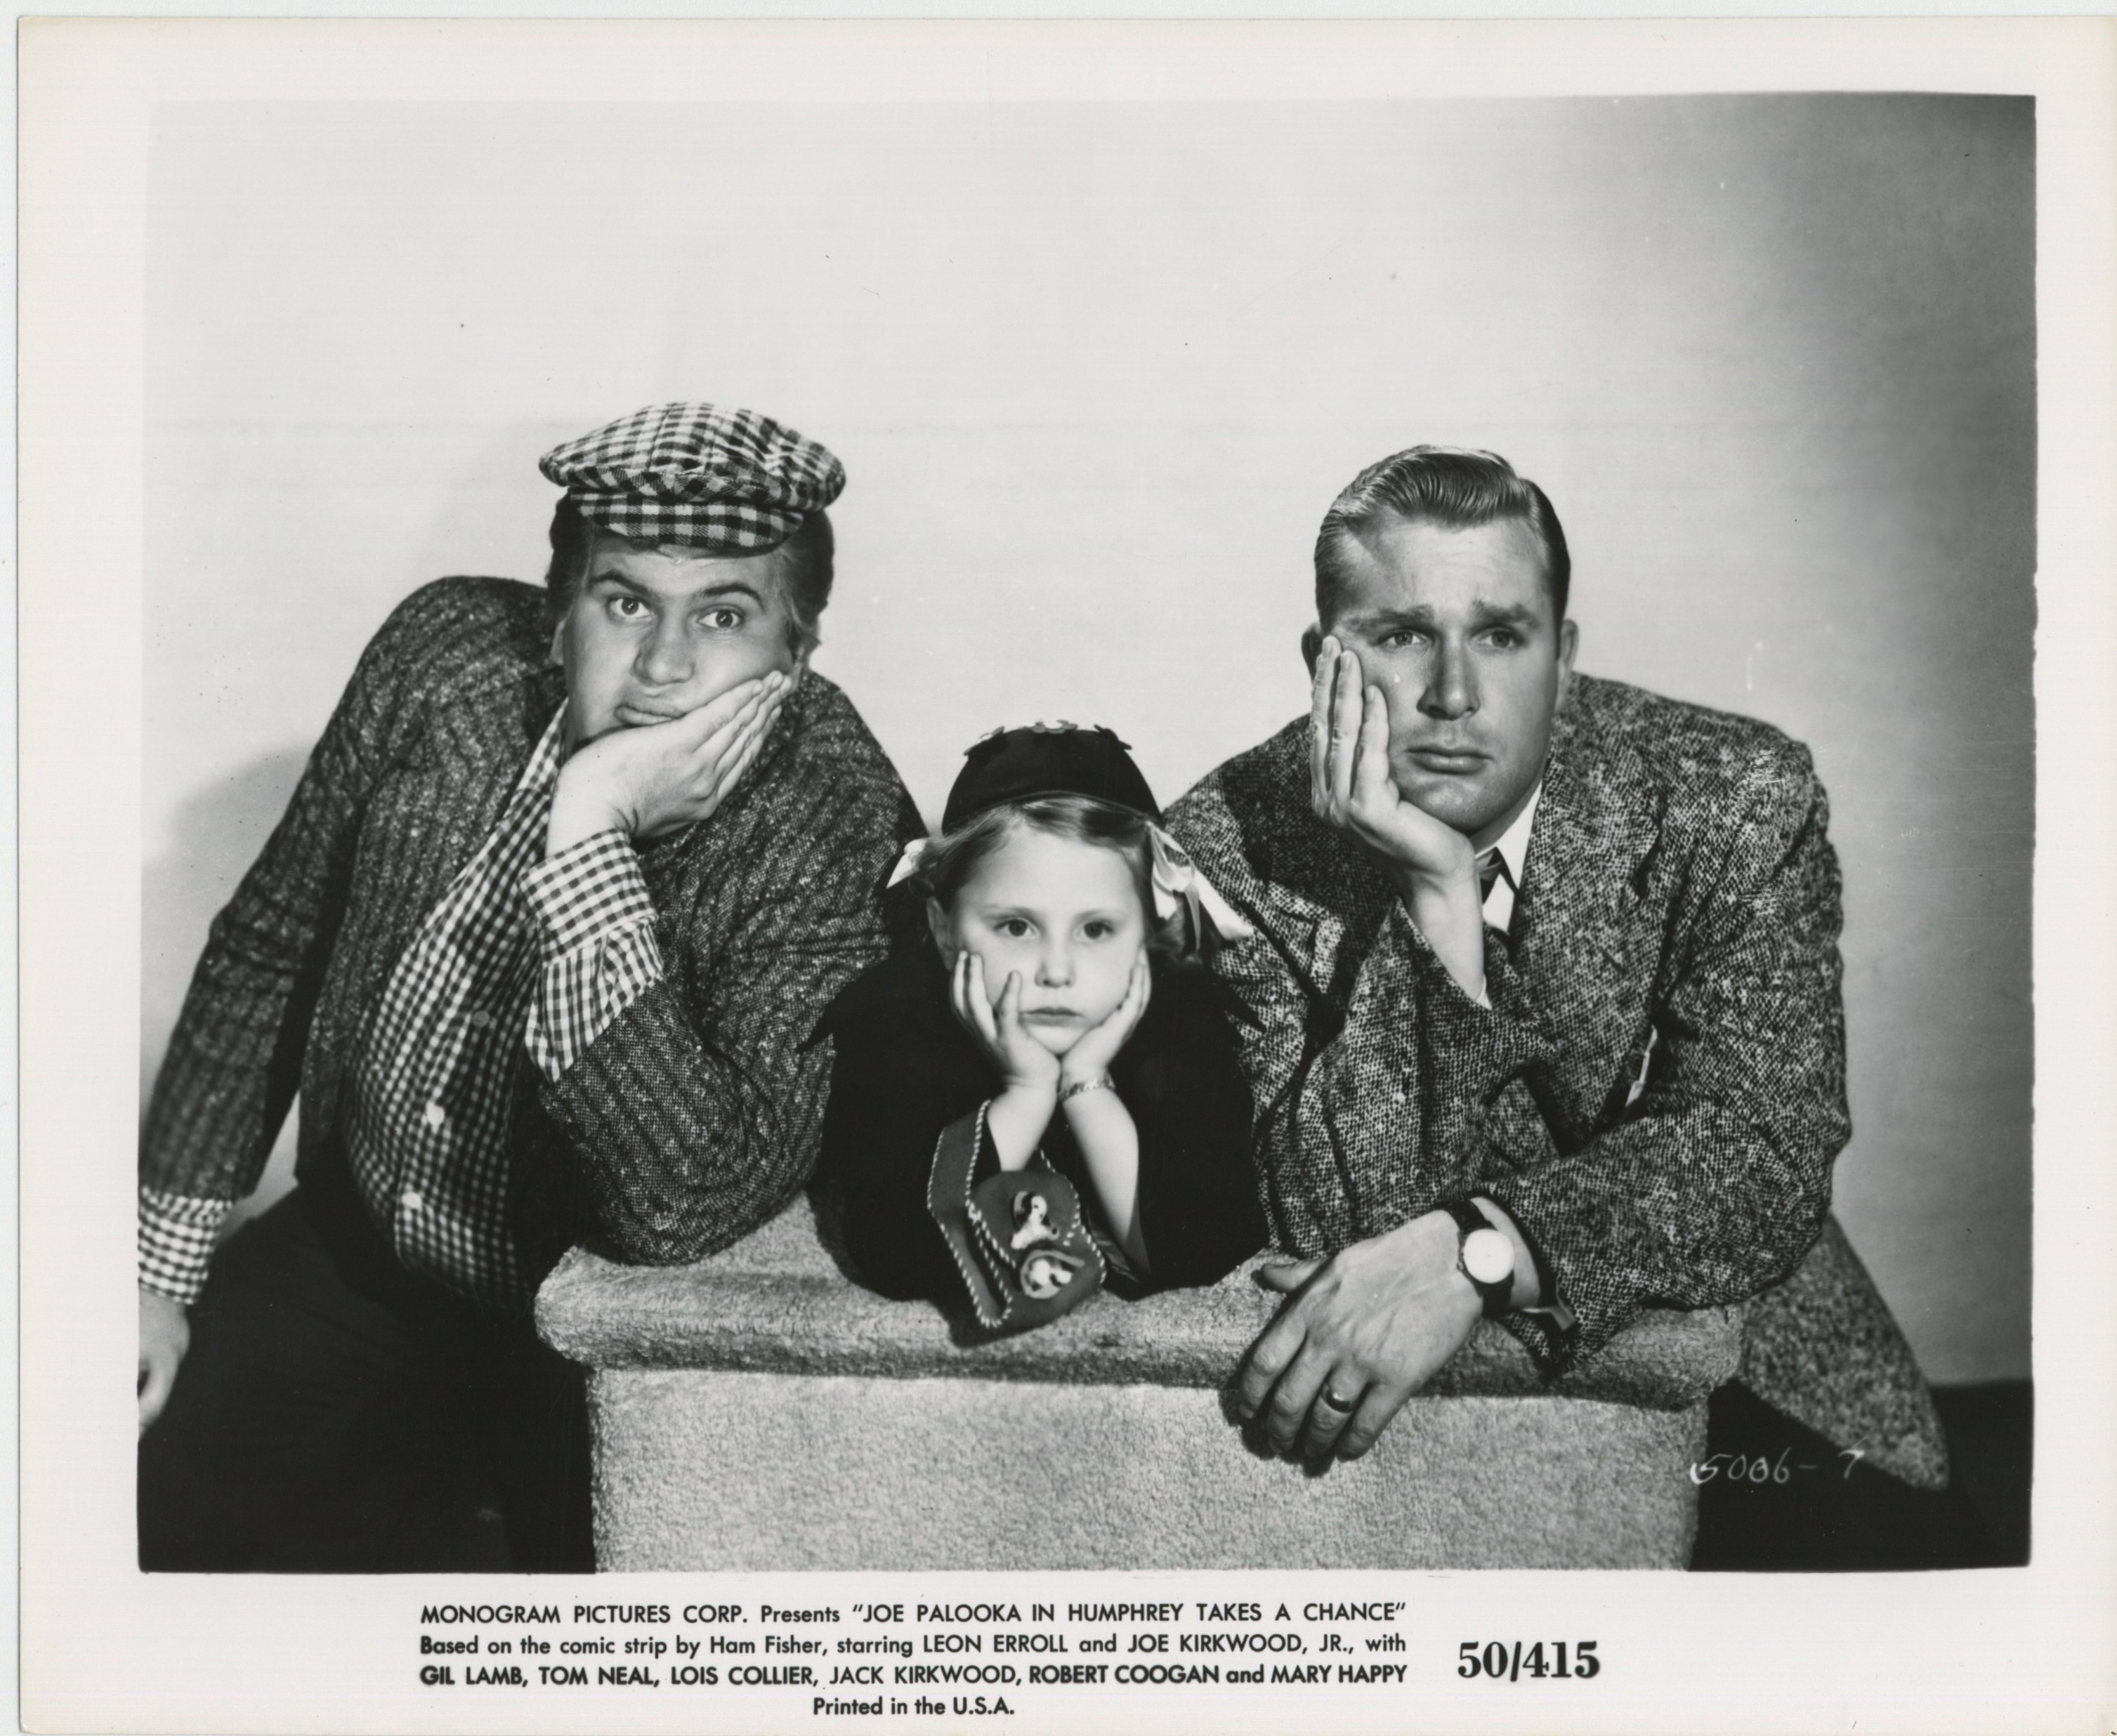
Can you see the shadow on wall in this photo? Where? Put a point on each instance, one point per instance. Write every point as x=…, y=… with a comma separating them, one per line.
x=214, y=837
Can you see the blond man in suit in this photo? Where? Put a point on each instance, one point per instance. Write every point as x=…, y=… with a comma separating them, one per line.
x=1545, y=992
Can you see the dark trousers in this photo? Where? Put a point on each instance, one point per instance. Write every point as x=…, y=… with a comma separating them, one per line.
x=336, y=1414
x=1831, y=1514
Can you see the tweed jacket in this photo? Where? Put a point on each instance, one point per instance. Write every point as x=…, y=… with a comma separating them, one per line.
x=1656, y=1092
x=695, y=1116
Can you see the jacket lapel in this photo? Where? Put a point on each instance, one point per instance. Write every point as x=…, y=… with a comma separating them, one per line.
x=483, y=744
x=1583, y=939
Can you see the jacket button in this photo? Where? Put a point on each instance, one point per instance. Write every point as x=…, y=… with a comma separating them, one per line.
x=436, y=1116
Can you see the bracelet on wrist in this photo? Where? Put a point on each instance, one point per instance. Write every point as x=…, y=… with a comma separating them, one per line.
x=1099, y=1082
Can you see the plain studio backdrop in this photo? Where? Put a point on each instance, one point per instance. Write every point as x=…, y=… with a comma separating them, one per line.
x=1096, y=371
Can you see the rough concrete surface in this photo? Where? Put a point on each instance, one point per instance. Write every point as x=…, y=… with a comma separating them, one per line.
x=758, y=1411
x=776, y=1301
x=767, y=1471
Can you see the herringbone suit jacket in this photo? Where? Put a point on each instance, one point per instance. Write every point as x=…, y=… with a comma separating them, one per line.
x=691, y=1119
x=1657, y=1092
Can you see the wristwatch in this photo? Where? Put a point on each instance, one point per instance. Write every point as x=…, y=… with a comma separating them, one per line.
x=1485, y=1256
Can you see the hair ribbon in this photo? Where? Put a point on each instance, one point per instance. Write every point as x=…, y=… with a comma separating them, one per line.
x=1177, y=882
x=907, y=864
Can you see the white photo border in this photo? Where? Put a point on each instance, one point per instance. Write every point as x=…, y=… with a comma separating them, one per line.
x=103, y=1647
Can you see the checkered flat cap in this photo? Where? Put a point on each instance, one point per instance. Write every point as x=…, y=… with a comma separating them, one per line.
x=728, y=480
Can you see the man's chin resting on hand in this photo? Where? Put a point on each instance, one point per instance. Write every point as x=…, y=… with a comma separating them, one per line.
x=1518, y=929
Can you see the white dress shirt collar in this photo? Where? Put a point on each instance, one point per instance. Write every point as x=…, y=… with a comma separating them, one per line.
x=1513, y=847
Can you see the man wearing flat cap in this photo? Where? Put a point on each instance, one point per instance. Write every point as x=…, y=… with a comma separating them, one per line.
x=538, y=943
x=1546, y=1019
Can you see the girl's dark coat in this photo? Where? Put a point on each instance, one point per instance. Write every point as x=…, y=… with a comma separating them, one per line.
x=904, y=1069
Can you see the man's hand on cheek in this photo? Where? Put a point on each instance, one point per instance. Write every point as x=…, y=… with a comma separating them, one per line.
x=1350, y=786
x=662, y=776
x=1365, y=1330
x=1434, y=866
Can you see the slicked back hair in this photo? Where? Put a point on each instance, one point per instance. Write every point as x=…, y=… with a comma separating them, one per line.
x=1457, y=488
x=804, y=564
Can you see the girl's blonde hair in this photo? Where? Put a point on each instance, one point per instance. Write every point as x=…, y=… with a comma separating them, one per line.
x=947, y=860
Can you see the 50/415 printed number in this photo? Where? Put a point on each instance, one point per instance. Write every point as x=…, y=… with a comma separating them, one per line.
x=1496, y=1658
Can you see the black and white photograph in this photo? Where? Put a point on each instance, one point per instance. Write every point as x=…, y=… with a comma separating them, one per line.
x=1046, y=872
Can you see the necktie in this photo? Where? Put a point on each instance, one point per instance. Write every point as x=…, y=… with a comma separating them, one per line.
x=1490, y=867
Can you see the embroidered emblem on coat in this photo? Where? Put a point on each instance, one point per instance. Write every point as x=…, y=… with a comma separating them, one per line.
x=1046, y=1273
x=1032, y=1221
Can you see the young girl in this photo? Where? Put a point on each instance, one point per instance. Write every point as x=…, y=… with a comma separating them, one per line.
x=1047, y=1097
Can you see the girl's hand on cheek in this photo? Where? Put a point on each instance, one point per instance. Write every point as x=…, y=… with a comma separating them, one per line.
x=1093, y=1054
x=1025, y=1064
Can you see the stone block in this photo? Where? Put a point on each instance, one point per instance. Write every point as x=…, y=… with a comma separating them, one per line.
x=757, y=1410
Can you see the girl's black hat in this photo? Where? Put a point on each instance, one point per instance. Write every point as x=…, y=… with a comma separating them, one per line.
x=1046, y=759
x=1064, y=759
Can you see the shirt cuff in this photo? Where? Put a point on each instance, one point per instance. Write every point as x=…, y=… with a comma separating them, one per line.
x=597, y=925
x=177, y=1235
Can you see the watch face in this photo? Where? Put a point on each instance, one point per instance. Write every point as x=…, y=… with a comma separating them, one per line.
x=1487, y=1256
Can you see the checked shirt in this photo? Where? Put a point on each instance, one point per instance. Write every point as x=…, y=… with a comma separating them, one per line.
x=519, y=950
